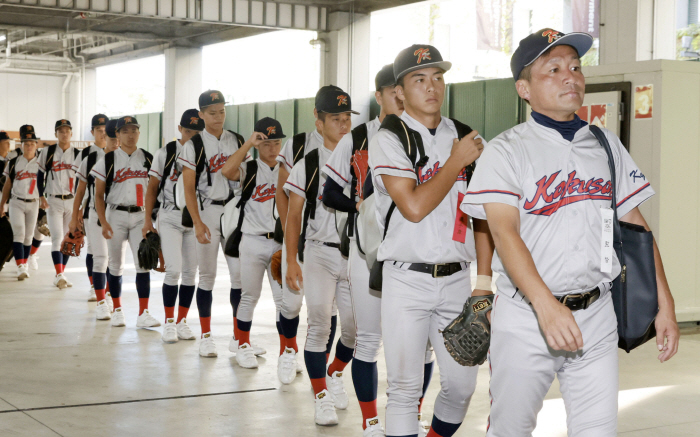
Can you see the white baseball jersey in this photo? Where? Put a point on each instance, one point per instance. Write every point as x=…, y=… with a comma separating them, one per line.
x=338, y=165
x=24, y=184
x=431, y=239
x=560, y=189
x=259, y=217
x=167, y=196
x=91, y=148
x=60, y=180
x=314, y=140
x=322, y=228
x=82, y=172
x=130, y=178
x=216, y=153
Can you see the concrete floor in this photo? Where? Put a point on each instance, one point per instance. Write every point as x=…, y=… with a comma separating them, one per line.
x=64, y=373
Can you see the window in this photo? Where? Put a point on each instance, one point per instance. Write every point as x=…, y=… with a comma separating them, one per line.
x=687, y=30
x=133, y=87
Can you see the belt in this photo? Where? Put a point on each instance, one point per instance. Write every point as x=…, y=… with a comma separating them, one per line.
x=580, y=301
x=333, y=245
x=63, y=196
x=25, y=200
x=129, y=209
x=437, y=270
x=269, y=235
x=218, y=202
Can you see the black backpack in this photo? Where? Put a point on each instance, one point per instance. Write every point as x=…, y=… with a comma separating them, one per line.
x=92, y=160
x=298, y=146
x=231, y=248
x=51, y=150
x=109, y=168
x=311, y=164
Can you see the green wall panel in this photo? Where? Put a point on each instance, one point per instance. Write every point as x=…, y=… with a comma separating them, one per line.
x=501, y=107
x=154, y=132
x=231, y=122
x=445, y=109
x=246, y=119
x=304, y=112
x=265, y=109
x=467, y=104
x=143, y=131
x=284, y=113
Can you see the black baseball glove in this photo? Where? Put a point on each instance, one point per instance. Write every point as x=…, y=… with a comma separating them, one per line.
x=468, y=337
x=149, y=251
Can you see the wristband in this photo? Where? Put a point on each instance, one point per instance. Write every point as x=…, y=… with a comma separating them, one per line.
x=483, y=282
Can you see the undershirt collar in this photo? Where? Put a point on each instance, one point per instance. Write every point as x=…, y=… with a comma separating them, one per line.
x=567, y=129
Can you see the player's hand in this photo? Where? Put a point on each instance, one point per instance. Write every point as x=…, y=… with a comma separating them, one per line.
x=559, y=326
x=667, y=328
x=73, y=226
x=468, y=149
x=202, y=232
x=478, y=292
x=256, y=139
x=107, y=230
x=147, y=227
x=357, y=205
x=43, y=203
x=294, y=278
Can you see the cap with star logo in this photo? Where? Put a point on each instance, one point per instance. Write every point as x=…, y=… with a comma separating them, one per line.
x=418, y=57
x=210, y=97
x=99, y=120
x=191, y=120
x=62, y=122
x=385, y=77
x=270, y=127
x=127, y=120
x=27, y=133
x=333, y=100
x=111, y=128
x=3, y=135
x=534, y=45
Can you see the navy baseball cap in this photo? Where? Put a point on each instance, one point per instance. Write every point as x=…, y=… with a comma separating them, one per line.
x=210, y=97
x=333, y=100
x=418, y=57
x=27, y=133
x=191, y=120
x=3, y=135
x=534, y=45
x=99, y=120
x=62, y=122
x=270, y=127
x=111, y=128
x=127, y=120
x=385, y=77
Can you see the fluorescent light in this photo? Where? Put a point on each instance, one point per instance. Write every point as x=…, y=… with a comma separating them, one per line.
x=3, y=38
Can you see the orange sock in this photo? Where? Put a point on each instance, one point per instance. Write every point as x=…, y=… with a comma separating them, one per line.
x=282, y=344
x=369, y=410
x=432, y=433
x=235, y=327
x=205, y=322
x=420, y=404
x=100, y=295
x=169, y=313
x=117, y=301
x=243, y=338
x=318, y=385
x=90, y=277
x=181, y=313
x=291, y=343
x=107, y=287
x=143, y=304
x=337, y=366
x=57, y=267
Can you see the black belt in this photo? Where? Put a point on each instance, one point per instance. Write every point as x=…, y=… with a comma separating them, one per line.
x=269, y=235
x=437, y=270
x=218, y=202
x=25, y=200
x=580, y=301
x=129, y=209
x=63, y=196
x=333, y=245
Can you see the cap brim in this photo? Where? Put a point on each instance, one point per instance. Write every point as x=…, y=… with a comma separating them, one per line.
x=60, y=126
x=444, y=65
x=581, y=42
x=340, y=112
x=127, y=125
x=29, y=139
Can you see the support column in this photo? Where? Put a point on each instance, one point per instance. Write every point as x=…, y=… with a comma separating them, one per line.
x=183, y=85
x=89, y=102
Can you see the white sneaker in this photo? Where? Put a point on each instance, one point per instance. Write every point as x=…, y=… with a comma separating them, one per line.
x=60, y=281
x=423, y=426
x=118, y=317
x=110, y=302
x=146, y=320
x=169, y=331
x=207, y=348
x=92, y=297
x=102, y=311
x=33, y=264
x=300, y=367
x=325, y=410
x=373, y=428
x=257, y=350
x=337, y=389
x=287, y=366
x=245, y=356
x=183, y=331
x=68, y=283
x=22, y=272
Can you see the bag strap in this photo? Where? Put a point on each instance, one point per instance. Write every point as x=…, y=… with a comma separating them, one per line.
x=298, y=144
x=12, y=164
x=410, y=139
x=462, y=131
x=603, y=140
x=109, y=168
x=170, y=152
x=149, y=160
x=249, y=183
x=49, y=163
x=239, y=138
x=91, y=161
x=311, y=164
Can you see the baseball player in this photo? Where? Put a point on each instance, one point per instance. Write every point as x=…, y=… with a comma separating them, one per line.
x=428, y=244
x=294, y=150
x=206, y=193
x=97, y=244
x=85, y=199
x=55, y=182
x=20, y=184
x=325, y=269
x=121, y=178
x=257, y=228
x=5, y=144
x=545, y=188
x=177, y=241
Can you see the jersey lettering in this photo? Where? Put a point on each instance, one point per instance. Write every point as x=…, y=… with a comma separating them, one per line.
x=60, y=166
x=263, y=194
x=566, y=192
x=21, y=175
x=217, y=162
x=123, y=174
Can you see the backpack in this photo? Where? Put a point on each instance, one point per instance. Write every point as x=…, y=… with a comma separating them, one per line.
x=92, y=160
x=109, y=168
x=49, y=162
x=347, y=220
x=311, y=164
x=298, y=146
x=233, y=242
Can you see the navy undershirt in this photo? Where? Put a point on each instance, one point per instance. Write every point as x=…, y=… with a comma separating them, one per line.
x=432, y=131
x=567, y=129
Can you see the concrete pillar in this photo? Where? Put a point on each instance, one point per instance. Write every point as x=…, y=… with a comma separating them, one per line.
x=183, y=85
x=89, y=101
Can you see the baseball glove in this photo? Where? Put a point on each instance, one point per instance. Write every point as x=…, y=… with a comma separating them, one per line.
x=276, y=266
x=41, y=223
x=73, y=242
x=467, y=338
x=360, y=165
x=149, y=252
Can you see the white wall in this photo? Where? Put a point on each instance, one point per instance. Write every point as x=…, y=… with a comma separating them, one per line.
x=30, y=99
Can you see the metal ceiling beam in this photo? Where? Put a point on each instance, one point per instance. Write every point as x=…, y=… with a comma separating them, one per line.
x=106, y=47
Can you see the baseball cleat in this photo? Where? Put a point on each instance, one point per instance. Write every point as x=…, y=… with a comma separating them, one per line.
x=245, y=357
x=146, y=320
x=91, y=296
x=207, y=348
x=68, y=283
x=169, y=331
x=287, y=366
x=325, y=414
x=337, y=389
x=33, y=264
x=110, y=302
x=257, y=350
x=22, y=272
x=102, y=311
x=183, y=331
x=373, y=428
x=60, y=281
x=118, y=317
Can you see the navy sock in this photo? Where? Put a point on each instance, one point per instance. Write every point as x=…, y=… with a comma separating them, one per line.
x=204, y=300
x=64, y=259
x=427, y=376
x=279, y=328
x=18, y=251
x=27, y=250
x=169, y=295
x=334, y=324
x=99, y=280
x=235, y=299
x=57, y=257
x=289, y=326
x=343, y=353
x=365, y=380
x=245, y=326
x=315, y=364
x=115, y=285
x=36, y=243
x=143, y=285
x=444, y=429
x=88, y=264
x=186, y=295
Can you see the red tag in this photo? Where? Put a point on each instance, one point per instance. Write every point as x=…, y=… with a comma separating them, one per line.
x=32, y=186
x=139, y=195
x=70, y=181
x=461, y=223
